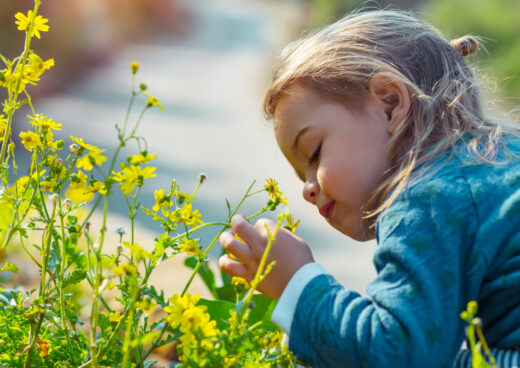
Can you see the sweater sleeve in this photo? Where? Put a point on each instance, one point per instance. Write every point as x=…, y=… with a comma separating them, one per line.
x=411, y=317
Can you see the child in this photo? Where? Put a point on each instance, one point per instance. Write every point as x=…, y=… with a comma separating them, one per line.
x=381, y=119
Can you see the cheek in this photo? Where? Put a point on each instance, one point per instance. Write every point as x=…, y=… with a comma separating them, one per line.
x=334, y=177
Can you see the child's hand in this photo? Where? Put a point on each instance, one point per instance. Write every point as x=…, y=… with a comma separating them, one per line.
x=289, y=251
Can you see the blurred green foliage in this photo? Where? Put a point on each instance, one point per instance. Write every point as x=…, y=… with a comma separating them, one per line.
x=497, y=22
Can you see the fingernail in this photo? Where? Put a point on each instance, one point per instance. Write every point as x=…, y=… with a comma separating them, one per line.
x=237, y=218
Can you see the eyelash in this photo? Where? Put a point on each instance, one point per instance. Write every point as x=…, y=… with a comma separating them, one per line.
x=315, y=156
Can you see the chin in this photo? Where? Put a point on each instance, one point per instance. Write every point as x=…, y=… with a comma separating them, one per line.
x=360, y=234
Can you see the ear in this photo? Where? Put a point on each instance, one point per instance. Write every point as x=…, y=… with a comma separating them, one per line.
x=391, y=97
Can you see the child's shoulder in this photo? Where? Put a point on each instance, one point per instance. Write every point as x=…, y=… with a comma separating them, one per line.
x=497, y=173
x=465, y=175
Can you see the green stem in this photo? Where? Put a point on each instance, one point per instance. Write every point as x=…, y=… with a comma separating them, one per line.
x=61, y=274
x=13, y=99
x=33, y=342
x=130, y=322
x=101, y=352
x=480, y=335
x=199, y=263
x=259, y=272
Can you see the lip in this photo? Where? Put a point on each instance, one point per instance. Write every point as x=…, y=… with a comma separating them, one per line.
x=326, y=210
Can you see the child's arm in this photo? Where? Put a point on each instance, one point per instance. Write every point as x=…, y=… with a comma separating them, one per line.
x=412, y=316
x=289, y=251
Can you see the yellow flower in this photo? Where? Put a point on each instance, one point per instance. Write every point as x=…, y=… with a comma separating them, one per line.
x=97, y=187
x=190, y=246
x=274, y=191
x=30, y=140
x=137, y=251
x=21, y=184
x=190, y=217
x=239, y=282
x=82, y=144
x=3, y=125
x=81, y=191
x=49, y=185
x=141, y=158
x=147, y=305
x=152, y=101
x=93, y=158
x=291, y=224
x=175, y=216
x=23, y=22
x=161, y=200
x=114, y=316
x=178, y=306
x=44, y=122
x=79, y=178
x=125, y=269
x=193, y=320
x=131, y=176
x=183, y=197
x=37, y=66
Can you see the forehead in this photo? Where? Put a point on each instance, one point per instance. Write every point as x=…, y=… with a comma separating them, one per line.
x=294, y=108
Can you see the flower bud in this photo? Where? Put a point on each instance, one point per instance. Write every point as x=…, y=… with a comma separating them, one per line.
x=119, y=247
x=54, y=198
x=67, y=203
x=477, y=322
x=60, y=144
x=472, y=307
x=143, y=87
x=135, y=66
x=73, y=147
x=121, y=231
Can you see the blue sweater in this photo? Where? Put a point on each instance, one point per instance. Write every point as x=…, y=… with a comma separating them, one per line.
x=452, y=236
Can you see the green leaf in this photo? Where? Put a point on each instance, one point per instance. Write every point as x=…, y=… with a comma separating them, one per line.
x=263, y=308
x=152, y=293
x=218, y=311
x=226, y=292
x=9, y=267
x=75, y=277
x=228, y=209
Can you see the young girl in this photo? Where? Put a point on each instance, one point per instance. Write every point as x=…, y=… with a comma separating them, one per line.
x=381, y=119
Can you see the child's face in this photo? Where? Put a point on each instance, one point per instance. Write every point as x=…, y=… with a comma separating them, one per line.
x=339, y=153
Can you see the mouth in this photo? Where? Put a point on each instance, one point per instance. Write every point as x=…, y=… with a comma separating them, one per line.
x=326, y=210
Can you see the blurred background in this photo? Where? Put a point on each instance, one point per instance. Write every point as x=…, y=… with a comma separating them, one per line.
x=209, y=62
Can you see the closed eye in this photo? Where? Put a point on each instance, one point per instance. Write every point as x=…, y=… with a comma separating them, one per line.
x=315, y=156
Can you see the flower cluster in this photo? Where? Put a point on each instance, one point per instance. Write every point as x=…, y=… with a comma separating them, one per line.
x=195, y=324
x=275, y=194
x=16, y=77
x=41, y=213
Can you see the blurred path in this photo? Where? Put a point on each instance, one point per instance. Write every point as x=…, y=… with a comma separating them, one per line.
x=211, y=85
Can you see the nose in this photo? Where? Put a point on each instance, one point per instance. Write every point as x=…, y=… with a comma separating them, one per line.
x=310, y=190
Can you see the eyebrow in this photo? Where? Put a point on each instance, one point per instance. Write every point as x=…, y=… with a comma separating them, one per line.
x=297, y=138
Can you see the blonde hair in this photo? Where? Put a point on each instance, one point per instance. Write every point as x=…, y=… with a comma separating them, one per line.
x=341, y=59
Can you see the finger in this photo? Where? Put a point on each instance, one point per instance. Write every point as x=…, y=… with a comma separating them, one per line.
x=249, y=234
x=233, y=267
x=237, y=248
